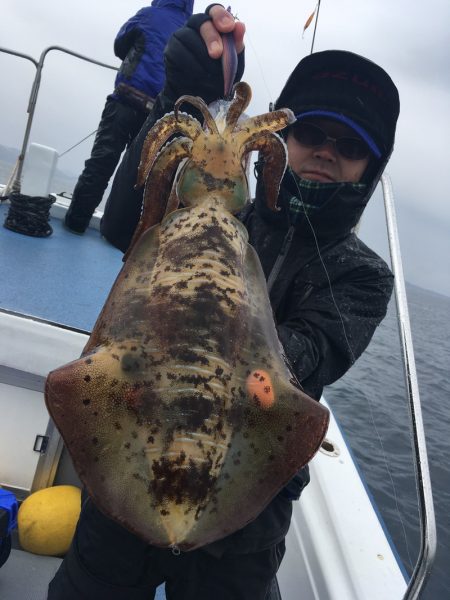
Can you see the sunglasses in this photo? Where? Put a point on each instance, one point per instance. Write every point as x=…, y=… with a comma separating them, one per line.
x=313, y=136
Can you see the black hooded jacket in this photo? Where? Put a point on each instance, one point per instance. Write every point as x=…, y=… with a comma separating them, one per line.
x=330, y=292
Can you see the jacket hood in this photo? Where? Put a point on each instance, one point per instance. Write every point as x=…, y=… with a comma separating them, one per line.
x=345, y=83
x=354, y=87
x=187, y=6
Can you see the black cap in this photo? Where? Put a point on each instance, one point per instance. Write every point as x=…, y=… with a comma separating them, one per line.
x=348, y=87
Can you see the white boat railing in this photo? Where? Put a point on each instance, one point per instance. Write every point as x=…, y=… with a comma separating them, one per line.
x=428, y=544
x=14, y=182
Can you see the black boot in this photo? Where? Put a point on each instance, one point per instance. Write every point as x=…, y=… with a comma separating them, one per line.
x=76, y=223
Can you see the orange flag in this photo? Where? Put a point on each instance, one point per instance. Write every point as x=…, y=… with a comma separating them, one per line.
x=308, y=21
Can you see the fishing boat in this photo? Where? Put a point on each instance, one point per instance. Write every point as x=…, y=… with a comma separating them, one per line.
x=53, y=289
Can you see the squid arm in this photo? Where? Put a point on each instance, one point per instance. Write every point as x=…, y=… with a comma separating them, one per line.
x=242, y=97
x=158, y=186
x=201, y=105
x=273, y=151
x=274, y=121
x=158, y=136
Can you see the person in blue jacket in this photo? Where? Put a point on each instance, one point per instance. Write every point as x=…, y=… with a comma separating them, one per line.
x=140, y=45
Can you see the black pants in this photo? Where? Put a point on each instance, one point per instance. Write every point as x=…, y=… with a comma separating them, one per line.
x=118, y=126
x=124, y=204
x=106, y=562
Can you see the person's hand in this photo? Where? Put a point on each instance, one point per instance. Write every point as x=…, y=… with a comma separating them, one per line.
x=221, y=22
x=193, y=56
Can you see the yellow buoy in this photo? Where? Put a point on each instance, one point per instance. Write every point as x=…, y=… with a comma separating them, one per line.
x=46, y=520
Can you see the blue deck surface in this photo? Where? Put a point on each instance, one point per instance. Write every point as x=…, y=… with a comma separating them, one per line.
x=64, y=278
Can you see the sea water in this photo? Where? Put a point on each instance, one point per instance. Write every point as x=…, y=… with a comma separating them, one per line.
x=371, y=405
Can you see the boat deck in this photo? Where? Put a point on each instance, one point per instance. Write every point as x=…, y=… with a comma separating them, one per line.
x=64, y=278
x=39, y=570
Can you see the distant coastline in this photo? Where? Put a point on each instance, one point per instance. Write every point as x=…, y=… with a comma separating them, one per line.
x=422, y=289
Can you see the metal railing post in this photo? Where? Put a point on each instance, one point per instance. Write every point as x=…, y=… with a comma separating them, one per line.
x=11, y=185
x=427, y=551
x=14, y=182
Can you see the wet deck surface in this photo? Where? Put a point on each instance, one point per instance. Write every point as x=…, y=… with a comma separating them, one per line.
x=64, y=278
x=39, y=571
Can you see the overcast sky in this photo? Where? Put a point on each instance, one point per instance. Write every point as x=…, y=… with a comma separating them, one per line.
x=409, y=39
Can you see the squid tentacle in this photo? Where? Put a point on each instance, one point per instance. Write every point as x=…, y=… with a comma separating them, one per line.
x=158, y=199
x=273, y=151
x=242, y=97
x=200, y=104
x=158, y=136
x=273, y=121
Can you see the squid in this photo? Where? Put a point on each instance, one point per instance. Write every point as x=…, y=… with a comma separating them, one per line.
x=182, y=415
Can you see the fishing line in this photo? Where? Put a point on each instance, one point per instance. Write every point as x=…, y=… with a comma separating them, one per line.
x=397, y=507
x=291, y=172
x=372, y=417
x=77, y=144
x=261, y=71
x=269, y=94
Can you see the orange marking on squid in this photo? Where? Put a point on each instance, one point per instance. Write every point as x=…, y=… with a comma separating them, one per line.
x=259, y=386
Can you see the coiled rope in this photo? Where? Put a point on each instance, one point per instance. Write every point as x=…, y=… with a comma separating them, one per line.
x=29, y=215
